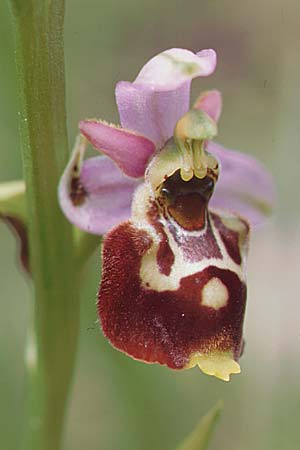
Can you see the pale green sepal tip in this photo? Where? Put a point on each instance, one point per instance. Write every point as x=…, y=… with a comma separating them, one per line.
x=200, y=436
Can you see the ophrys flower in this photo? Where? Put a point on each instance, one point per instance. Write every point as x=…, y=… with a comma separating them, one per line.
x=173, y=289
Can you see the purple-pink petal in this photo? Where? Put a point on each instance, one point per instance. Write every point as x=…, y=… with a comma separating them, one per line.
x=149, y=112
x=106, y=195
x=244, y=186
x=159, y=96
x=211, y=103
x=129, y=150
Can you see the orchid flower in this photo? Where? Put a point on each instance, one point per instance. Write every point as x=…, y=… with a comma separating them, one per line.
x=173, y=288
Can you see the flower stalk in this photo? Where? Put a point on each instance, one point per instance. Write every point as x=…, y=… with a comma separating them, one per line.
x=38, y=27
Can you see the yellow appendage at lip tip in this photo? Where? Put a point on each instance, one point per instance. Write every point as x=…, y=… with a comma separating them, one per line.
x=219, y=365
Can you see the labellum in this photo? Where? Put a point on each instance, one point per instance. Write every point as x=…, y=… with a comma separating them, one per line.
x=173, y=289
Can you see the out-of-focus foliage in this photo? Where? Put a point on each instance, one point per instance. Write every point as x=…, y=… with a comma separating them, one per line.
x=199, y=438
x=122, y=404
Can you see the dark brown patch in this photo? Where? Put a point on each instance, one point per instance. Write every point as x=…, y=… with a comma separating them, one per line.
x=186, y=201
x=188, y=211
x=163, y=327
x=77, y=192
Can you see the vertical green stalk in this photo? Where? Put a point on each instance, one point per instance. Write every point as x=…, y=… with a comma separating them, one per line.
x=38, y=26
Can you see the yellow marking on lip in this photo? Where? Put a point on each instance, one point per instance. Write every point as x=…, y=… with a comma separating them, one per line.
x=219, y=365
x=186, y=174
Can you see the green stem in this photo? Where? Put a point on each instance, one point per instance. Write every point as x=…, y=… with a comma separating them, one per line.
x=40, y=63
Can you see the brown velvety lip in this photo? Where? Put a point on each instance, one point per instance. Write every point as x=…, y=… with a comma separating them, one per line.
x=169, y=326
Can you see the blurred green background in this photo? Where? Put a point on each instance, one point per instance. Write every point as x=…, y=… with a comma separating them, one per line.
x=118, y=403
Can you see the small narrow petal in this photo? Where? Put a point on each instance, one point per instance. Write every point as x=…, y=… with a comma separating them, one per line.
x=95, y=196
x=129, y=150
x=244, y=187
x=211, y=103
x=159, y=96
